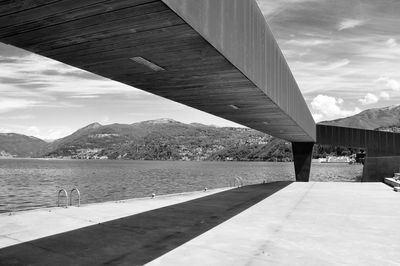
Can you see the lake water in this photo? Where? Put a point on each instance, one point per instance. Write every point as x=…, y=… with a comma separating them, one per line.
x=33, y=183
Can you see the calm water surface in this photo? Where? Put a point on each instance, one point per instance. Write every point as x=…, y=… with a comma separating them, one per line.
x=33, y=183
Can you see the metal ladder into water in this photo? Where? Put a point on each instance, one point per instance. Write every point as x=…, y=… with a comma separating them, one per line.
x=237, y=182
x=70, y=197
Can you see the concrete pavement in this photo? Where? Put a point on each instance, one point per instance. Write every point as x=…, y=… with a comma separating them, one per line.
x=24, y=226
x=279, y=223
x=140, y=238
x=304, y=224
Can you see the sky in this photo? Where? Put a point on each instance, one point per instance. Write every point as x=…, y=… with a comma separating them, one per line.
x=344, y=55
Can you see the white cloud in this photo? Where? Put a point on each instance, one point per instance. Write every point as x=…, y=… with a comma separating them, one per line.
x=369, y=98
x=308, y=42
x=105, y=119
x=393, y=84
x=56, y=133
x=349, y=23
x=47, y=77
x=327, y=107
x=83, y=96
x=34, y=130
x=18, y=117
x=391, y=43
x=11, y=104
x=390, y=83
x=384, y=95
x=317, y=117
x=46, y=132
x=295, y=53
x=338, y=64
x=4, y=130
x=272, y=8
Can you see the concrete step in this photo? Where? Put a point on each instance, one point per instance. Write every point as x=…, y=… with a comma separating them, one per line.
x=393, y=183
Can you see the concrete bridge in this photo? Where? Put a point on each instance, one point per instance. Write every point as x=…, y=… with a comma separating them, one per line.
x=383, y=148
x=218, y=56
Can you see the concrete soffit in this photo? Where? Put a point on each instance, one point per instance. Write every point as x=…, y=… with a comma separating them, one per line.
x=238, y=30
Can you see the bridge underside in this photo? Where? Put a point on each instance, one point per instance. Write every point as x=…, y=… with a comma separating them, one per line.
x=146, y=44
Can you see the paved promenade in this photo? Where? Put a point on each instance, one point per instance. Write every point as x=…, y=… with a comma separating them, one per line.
x=281, y=223
x=139, y=238
x=304, y=224
x=24, y=226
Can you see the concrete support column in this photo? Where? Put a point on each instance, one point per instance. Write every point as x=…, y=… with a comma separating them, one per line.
x=302, y=154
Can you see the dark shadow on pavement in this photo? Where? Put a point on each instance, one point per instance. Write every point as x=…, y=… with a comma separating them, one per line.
x=140, y=238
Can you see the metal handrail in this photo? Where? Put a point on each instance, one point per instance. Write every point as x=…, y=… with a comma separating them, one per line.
x=66, y=198
x=79, y=196
x=241, y=181
x=237, y=182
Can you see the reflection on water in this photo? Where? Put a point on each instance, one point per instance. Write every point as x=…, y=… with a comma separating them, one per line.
x=31, y=183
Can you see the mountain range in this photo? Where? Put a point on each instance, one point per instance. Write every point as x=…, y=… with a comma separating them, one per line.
x=162, y=139
x=17, y=145
x=166, y=139
x=387, y=118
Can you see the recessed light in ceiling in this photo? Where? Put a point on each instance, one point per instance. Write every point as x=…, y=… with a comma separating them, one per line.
x=234, y=107
x=147, y=63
